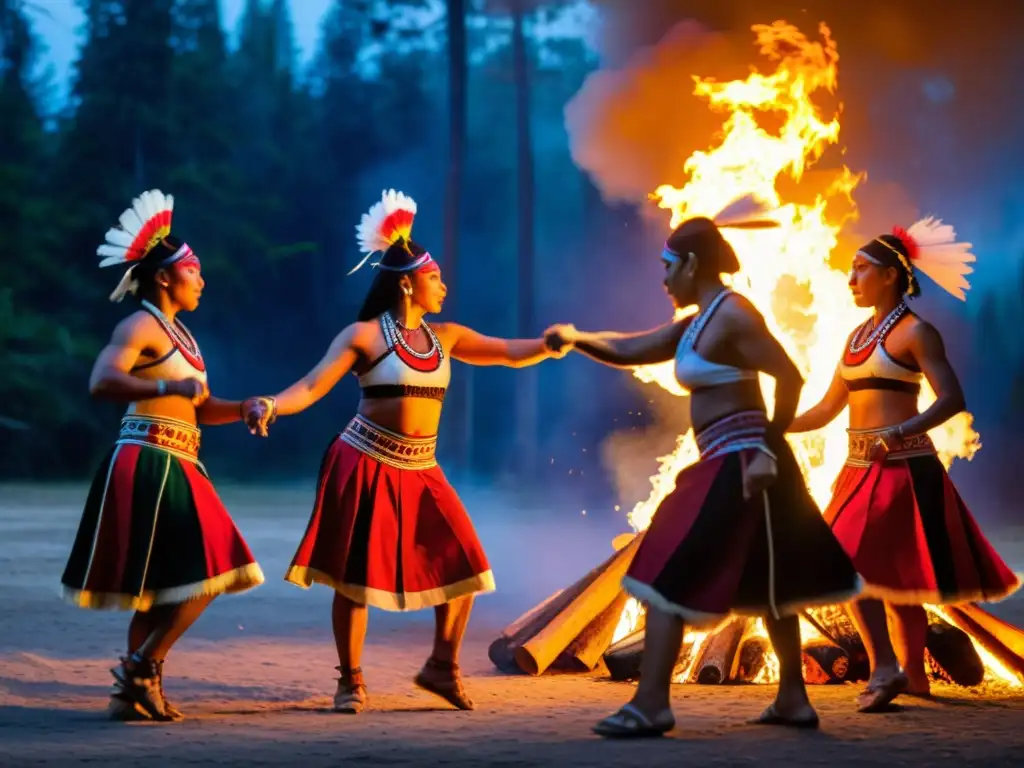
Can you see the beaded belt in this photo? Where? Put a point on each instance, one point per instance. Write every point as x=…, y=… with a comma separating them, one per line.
x=171, y=435
x=741, y=431
x=389, y=447
x=863, y=442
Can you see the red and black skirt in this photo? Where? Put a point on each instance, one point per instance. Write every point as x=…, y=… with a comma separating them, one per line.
x=709, y=552
x=387, y=528
x=154, y=531
x=907, y=530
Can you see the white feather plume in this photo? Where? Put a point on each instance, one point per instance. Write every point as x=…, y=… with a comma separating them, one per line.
x=119, y=239
x=127, y=285
x=746, y=210
x=941, y=257
x=368, y=231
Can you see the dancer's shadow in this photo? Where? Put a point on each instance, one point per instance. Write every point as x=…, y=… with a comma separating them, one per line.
x=322, y=707
x=18, y=721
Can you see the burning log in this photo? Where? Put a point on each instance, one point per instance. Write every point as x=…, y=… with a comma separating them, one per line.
x=754, y=653
x=835, y=624
x=502, y=651
x=716, y=661
x=585, y=651
x=692, y=647
x=1004, y=641
x=534, y=641
x=1007, y=634
x=572, y=631
x=826, y=661
x=953, y=653
x=623, y=658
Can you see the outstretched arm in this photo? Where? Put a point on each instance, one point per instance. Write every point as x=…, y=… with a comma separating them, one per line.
x=762, y=352
x=625, y=350
x=336, y=362
x=824, y=412
x=930, y=355
x=468, y=346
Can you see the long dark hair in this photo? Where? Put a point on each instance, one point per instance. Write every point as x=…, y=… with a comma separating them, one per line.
x=385, y=290
x=703, y=239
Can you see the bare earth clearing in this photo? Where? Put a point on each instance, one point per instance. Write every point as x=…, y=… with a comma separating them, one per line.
x=255, y=675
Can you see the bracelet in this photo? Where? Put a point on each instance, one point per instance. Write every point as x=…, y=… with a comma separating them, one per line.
x=273, y=408
x=161, y=387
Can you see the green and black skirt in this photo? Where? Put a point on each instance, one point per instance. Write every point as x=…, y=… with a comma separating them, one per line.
x=154, y=531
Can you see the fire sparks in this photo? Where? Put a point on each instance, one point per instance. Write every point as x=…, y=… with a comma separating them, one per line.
x=785, y=272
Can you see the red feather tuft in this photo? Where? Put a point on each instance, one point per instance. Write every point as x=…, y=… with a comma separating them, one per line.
x=397, y=224
x=138, y=246
x=909, y=243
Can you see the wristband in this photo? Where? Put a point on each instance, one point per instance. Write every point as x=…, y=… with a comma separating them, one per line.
x=273, y=408
x=161, y=388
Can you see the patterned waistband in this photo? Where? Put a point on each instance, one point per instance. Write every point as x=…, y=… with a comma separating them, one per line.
x=741, y=431
x=863, y=441
x=171, y=435
x=389, y=447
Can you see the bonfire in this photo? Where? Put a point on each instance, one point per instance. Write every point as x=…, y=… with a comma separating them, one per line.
x=804, y=298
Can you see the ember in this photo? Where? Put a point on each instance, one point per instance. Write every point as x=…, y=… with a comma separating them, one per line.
x=798, y=291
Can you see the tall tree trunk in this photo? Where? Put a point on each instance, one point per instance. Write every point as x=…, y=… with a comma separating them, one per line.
x=526, y=421
x=457, y=76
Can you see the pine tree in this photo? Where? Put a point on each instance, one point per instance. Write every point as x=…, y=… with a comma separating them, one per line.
x=40, y=358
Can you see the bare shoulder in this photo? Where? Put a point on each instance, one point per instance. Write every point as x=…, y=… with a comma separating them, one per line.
x=741, y=312
x=139, y=329
x=360, y=335
x=448, y=333
x=923, y=335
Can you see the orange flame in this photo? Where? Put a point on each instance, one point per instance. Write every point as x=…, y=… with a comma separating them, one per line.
x=785, y=272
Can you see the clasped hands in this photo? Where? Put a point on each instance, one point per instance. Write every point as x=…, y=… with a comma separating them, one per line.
x=560, y=339
x=259, y=413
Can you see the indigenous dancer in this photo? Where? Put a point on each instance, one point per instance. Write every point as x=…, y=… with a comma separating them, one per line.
x=154, y=536
x=894, y=508
x=387, y=530
x=739, y=534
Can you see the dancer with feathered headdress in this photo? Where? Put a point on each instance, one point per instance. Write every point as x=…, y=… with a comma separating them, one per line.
x=740, y=533
x=154, y=537
x=894, y=508
x=387, y=529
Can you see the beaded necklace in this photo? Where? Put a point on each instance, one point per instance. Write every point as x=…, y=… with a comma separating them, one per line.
x=180, y=336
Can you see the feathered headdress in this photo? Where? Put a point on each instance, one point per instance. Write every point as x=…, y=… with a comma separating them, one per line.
x=701, y=234
x=745, y=212
x=141, y=228
x=928, y=246
x=387, y=223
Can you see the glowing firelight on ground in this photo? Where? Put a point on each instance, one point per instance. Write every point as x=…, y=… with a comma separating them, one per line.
x=785, y=272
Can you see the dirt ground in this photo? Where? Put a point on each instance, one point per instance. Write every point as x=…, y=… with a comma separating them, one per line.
x=255, y=675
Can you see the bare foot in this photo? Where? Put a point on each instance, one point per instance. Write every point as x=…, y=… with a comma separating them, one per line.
x=881, y=691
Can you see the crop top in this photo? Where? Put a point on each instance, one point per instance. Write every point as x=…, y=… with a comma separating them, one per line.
x=695, y=372
x=183, y=361
x=866, y=365
x=402, y=371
